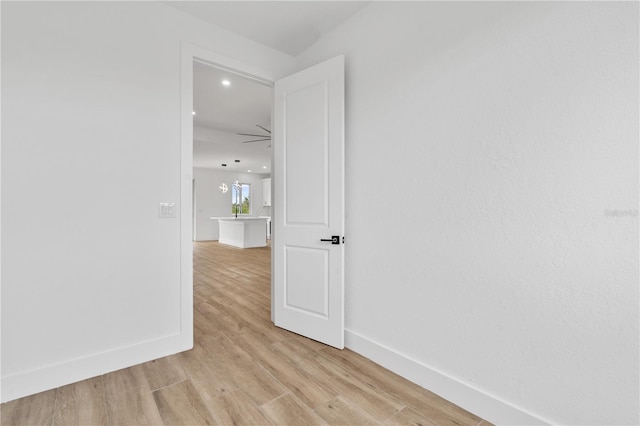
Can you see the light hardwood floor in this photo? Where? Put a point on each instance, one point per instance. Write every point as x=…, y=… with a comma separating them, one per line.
x=242, y=370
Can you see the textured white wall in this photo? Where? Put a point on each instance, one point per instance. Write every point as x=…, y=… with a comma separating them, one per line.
x=506, y=137
x=90, y=146
x=211, y=202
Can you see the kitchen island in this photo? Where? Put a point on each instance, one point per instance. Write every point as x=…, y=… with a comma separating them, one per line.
x=243, y=232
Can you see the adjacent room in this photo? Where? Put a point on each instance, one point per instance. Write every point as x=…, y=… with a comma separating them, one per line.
x=231, y=157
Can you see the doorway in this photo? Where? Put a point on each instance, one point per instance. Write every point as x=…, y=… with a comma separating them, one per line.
x=308, y=163
x=190, y=54
x=232, y=157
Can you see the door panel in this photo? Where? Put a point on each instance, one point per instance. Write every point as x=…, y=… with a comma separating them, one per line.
x=307, y=293
x=305, y=152
x=308, y=202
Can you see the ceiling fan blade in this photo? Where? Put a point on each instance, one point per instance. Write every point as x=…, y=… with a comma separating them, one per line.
x=257, y=140
x=266, y=130
x=257, y=136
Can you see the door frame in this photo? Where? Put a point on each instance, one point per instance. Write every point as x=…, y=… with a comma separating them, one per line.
x=190, y=53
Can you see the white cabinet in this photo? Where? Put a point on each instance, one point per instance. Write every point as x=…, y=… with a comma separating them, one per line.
x=243, y=232
x=266, y=192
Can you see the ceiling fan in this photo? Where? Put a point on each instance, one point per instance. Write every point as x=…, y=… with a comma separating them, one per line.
x=266, y=137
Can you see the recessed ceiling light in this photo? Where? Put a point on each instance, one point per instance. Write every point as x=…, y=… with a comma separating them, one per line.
x=226, y=83
x=264, y=167
x=249, y=171
x=193, y=113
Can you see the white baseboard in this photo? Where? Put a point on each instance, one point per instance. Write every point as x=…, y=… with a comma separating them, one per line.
x=26, y=383
x=478, y=402
x=206, y=238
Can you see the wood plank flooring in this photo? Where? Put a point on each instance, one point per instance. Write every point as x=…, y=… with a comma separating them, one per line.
x=242, y=371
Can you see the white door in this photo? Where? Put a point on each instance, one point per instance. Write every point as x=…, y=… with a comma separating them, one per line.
x=308, y=202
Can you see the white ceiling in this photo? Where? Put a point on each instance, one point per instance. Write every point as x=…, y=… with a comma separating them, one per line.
x=238, y=107
x=222, y=111
x=287, y=26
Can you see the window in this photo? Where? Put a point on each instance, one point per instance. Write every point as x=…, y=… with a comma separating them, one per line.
x=241, y=198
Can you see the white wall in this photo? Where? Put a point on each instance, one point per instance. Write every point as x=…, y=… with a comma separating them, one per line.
x=90, y=146
x=211, y=202
x=487, y=145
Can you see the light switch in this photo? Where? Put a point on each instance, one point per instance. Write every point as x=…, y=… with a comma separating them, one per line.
x=167, y=210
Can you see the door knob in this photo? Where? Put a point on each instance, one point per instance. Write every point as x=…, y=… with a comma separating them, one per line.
x=335, y=239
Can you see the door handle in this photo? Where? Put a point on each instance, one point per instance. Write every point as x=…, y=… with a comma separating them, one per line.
x=335, y=239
